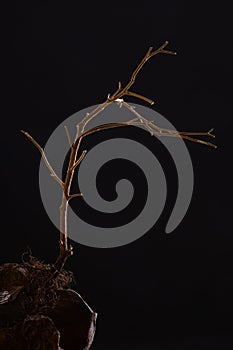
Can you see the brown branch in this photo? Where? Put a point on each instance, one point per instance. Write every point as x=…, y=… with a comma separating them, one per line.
x=71, y=196
x=208, y=133
x=68, y=135
x=196, y=140
x=131, y=93
x=125, y=91
x=79, y=160
x=175, y=132
x=117, y=96
x=77, y=132
x=120, y=92
x=156, y=130
x=65, y=250
x=73, y=163
x=118, y=89
x=80, y=134
x=52, y=172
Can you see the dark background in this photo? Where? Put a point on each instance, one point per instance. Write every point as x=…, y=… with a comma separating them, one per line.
x=162, y=291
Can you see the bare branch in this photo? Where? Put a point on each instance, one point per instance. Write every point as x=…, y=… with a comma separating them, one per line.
x=73, y=163
x=102, y=127
x=65, y=251
x=77, y=132
x=79, y=160
x=161, y=50
x=75, y=195
x=68, y=135
x=195, y=140
x=89, y=116
x=156, y=130
x=120, y=92
x=147, y=56
x=131, y=93
x=117, y=97
x=118, y=89
x=52, y=172
x=125, y=91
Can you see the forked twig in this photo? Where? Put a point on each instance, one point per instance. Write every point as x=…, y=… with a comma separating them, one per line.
x=79, y=160
x=120, y=91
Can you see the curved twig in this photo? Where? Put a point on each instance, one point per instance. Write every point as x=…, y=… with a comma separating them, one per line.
x=52, y=172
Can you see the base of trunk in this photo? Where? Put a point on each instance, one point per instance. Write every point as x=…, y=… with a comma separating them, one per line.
x=38, y=311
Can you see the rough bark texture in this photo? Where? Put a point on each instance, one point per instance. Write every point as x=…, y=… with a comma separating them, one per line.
x=38, y=310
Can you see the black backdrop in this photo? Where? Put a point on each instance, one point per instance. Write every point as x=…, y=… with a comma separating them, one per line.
x=162, y=291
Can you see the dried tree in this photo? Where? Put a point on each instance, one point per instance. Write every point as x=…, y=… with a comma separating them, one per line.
x=66, y=249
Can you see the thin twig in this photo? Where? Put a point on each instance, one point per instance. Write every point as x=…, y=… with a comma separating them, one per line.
x=68, y=135
x=79, y=160
x=52, y=172
x=156, y=130
x=75, y=195
x=77, y=132
x=131, y=93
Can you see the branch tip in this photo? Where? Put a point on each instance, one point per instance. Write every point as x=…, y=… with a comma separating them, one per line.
x=68, y=135
x=40, y=149
x=155, y=130
x=169, y=52
x=71, y=196
x=120, y=92
x=164, y=45
x=150, y=50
